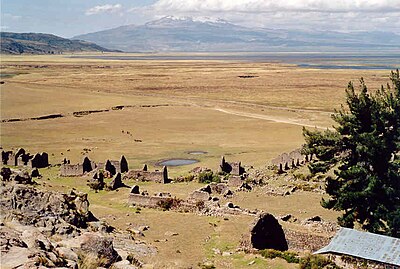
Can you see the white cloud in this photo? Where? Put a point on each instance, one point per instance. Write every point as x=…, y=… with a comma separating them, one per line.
x=341, y=15
x=260, y=6
x=103, y=9
x=8, y=16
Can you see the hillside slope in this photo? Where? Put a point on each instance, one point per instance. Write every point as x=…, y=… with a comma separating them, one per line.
x=35, y=43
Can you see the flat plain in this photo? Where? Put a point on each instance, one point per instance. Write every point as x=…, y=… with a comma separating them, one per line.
x=157, y=110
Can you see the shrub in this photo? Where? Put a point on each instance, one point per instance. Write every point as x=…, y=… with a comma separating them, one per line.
x=186, y=178
x=208, y=177
x=90, y=261
x=290, y=257
x=169, y=203
x=316, y=262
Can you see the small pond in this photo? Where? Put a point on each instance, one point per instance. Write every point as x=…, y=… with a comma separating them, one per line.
x=176, y=162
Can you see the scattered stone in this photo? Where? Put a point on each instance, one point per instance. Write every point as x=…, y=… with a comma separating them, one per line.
x=226, y=254
x=288, y=218
x=315, y=218
x=245, y=187
x=143, y=228
x=125, y=264
x=216, y=251
x=228, y=193
x=135, y=189
x=230, y=205
x=169, y=233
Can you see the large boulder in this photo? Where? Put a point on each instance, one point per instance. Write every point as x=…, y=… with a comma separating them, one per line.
x=94, y=245
x=267, y=233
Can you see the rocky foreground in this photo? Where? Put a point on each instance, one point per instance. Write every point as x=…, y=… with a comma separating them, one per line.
x=43, y=229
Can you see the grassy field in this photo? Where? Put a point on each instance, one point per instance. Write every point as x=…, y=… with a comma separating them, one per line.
x=171, y=108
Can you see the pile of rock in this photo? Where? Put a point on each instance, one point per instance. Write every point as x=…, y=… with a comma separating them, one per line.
x=41, y=229
x=17, y=176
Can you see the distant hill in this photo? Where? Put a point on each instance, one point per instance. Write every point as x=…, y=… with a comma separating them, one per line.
x=34, y=43
x=188, y=34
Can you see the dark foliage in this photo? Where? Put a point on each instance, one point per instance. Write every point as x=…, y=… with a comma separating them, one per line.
x=363, y=151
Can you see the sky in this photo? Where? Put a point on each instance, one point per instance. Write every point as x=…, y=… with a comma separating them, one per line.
x=74, y=17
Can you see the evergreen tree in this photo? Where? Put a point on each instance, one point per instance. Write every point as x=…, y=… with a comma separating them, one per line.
x=363, y=152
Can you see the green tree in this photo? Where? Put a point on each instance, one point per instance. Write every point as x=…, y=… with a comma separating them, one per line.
x=363, y=153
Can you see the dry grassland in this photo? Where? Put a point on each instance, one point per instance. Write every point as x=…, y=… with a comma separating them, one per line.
x=172, y=107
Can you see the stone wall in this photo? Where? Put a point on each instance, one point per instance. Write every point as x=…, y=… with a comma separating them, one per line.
x=146, y=200
x=71, y=170
x=234, y=168
x=22, y=158
x=293, y=159
x=141, y=175
x=39, y=160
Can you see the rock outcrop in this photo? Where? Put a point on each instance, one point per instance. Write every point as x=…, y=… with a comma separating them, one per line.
x=44, y=229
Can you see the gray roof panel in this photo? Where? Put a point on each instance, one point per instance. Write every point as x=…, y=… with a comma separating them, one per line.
x=365, y=245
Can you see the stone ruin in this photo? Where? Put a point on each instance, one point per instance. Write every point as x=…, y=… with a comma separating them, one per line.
x=116, y=182
x=137, y=198
x=144, y=175
x=265, y=233
x=111, y=166
x=234, y=168
x=97, y=181
x=210, y=192
x=22, y=158
x=287, y=161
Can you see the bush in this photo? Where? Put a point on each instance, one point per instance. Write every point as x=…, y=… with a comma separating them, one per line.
x=187, y=178
x=290, y=257
x=317, y=262
x=169, y=203
x=208, y=177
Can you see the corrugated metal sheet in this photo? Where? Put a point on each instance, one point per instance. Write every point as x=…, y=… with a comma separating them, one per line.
x=365, y=245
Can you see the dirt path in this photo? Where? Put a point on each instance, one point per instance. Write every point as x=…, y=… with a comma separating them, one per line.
x=268, y=118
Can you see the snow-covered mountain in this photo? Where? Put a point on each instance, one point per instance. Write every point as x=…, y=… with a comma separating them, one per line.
x=202, y=34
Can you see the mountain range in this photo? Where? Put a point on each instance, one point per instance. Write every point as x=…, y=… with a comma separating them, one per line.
x=188, y=34
x=34, y=43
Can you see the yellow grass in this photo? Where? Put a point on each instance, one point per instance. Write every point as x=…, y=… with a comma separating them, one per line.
x=205, y=106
